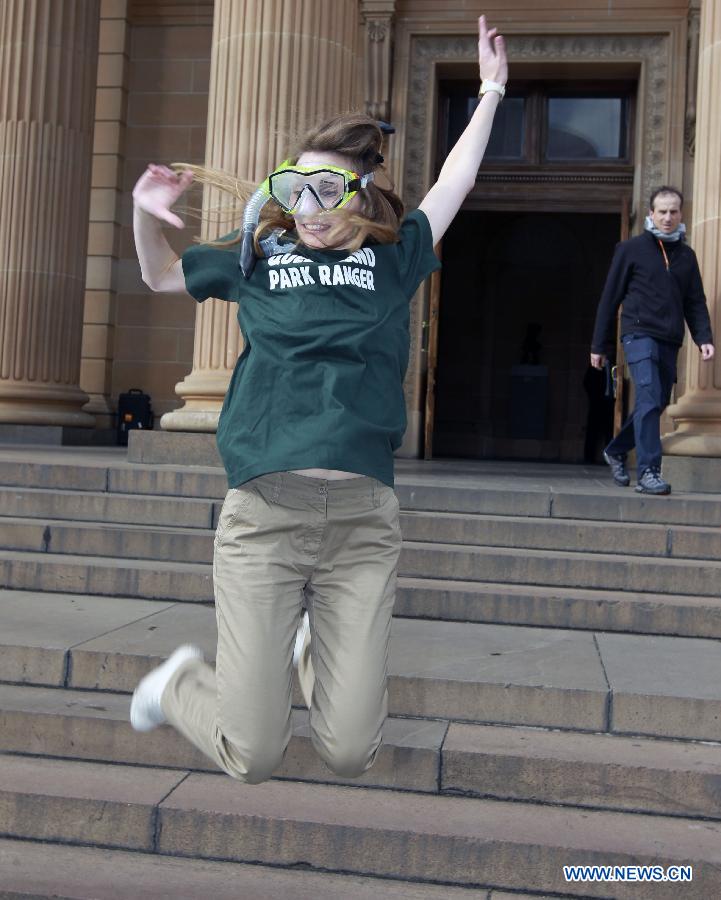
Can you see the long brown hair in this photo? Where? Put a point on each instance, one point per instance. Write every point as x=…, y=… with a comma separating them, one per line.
x=354, y=135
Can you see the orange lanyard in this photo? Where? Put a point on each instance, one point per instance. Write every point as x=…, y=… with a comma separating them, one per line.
x=665, y=258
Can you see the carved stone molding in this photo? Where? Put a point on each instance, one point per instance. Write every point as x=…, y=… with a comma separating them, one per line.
x=544, y=178
x=651, y=51
x=377, y=17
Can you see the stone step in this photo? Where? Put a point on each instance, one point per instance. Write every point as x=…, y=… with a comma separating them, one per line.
x=103, y=539
x=363, y=831
x=634, y=612
x=550, y=568
x=169, y=541
x=493, y=674
x=143, y=578
x=46, y=468
x=63, y=872
x=598, y=771
x=607, y=503
x=94, y=506
x=553, y=568
x=481, y=495
x=644, y=612
x=94, y=725
x=577, y=535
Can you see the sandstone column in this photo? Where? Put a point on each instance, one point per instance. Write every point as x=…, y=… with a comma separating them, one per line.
x=48, y=62
x=697, y=414
x=277, y=67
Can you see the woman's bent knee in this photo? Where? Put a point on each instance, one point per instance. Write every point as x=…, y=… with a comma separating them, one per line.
x=251, y=765
x=349, y=762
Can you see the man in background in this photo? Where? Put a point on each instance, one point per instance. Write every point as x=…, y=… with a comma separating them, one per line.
x=655, y=278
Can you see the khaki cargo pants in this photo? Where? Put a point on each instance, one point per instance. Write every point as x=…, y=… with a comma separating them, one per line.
x=282, y=538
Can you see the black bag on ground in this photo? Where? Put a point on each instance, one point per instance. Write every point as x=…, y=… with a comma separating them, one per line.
x=134, y=411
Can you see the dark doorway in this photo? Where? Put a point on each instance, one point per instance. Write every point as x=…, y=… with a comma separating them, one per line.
x=518, y=299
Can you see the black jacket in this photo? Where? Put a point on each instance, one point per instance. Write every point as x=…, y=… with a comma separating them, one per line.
x=655, y=300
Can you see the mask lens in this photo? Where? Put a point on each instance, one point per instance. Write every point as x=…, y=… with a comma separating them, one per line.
x=329, y=187
x=288, y=185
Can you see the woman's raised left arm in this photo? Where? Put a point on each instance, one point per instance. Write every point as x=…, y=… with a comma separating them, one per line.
x=458, y=175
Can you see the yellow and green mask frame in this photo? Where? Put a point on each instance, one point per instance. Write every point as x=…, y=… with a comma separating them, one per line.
x=331, y=186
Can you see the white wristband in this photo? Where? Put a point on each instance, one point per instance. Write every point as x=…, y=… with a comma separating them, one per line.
x=488, y=86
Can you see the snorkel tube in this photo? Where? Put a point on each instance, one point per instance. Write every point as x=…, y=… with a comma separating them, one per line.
x=251, y=216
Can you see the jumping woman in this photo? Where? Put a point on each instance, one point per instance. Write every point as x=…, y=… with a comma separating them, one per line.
x=323, y=270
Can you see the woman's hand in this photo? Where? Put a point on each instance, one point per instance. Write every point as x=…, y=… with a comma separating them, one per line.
x=492, y=60
x=158, y=188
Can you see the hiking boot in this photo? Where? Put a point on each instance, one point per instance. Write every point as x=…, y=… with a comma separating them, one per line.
x=618, y=469
x=652, y=483
x=146, y=712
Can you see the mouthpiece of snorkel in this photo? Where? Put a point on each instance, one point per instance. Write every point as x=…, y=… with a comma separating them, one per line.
x=251, y=217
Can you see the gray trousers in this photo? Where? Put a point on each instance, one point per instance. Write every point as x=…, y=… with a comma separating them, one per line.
x=283, y=538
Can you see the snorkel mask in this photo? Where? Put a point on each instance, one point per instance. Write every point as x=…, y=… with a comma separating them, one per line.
x=331, y=186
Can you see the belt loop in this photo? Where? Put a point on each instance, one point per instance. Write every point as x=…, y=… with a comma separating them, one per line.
x=374, y=493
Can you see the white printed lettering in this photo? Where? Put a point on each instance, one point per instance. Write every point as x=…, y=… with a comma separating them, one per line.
x=295, y=278
x=324, y=274
x=285, y=281
x=274, y=279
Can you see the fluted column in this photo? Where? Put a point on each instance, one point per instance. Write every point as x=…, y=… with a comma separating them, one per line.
x=697, y=414
x=276, y=68
x=48, y=62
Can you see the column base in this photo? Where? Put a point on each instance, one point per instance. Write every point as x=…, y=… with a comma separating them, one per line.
x=13, y=414
x=690, y=443
x=173, y=448
x=203, y=393
x=196, y=420
x=693, y=473
x=39, y=404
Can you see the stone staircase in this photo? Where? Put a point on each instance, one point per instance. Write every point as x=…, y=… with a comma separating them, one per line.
x=555, y=694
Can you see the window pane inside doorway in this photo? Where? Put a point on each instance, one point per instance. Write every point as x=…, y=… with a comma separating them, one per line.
x=506, y=141
x=586, y=128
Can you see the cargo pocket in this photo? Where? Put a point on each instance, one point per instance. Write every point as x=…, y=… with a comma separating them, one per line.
x=237, y=501
x=641, y=356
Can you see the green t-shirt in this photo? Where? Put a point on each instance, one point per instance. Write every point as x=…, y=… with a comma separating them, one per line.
x=319, y=383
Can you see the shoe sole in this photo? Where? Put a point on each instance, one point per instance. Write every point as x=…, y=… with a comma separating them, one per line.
x=642, y=490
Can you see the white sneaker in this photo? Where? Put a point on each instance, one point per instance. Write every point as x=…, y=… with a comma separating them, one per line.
x=302, y=659
x=146, y=712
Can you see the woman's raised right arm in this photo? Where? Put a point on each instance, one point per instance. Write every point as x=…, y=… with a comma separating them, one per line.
x=158, y=188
